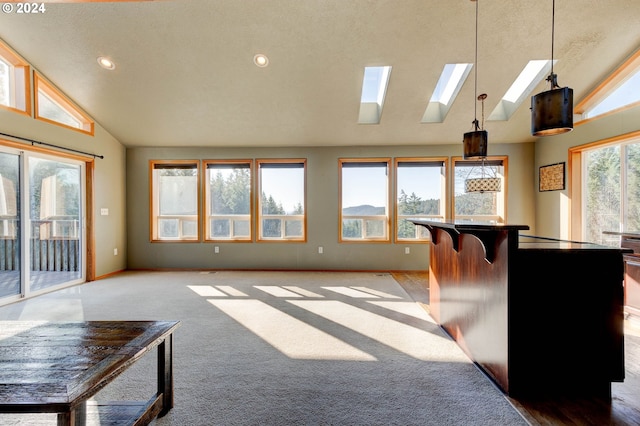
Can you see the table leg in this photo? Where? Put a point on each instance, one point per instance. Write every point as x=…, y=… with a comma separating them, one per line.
x=75, y=417
x=165, y=374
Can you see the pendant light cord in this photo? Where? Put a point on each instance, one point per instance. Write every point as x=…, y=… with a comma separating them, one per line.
x=553, y=78
x=475, y=75
x=553, y=30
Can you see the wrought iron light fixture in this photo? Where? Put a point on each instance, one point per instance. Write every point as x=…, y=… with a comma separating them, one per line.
x=552, y=111
x=474, y=143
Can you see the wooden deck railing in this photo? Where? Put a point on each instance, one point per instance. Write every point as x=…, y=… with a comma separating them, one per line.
x=54, y=245
x=46, y=255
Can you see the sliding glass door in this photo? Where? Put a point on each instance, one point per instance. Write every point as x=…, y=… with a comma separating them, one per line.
x=55, y=216
x=41, y=223
x=10, y=231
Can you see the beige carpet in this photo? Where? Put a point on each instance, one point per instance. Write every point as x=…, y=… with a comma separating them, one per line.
x=286, y=348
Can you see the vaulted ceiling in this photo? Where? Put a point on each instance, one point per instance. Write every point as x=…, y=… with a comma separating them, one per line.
x=185, y=74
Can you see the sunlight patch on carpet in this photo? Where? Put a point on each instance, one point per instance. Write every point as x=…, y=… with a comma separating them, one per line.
x=276, y=291
x=302, y=291
x=376, y=292
x=231, y=291
x=351, y=292
x=63, y=310
x=206, y=291
x=404, y=338
x=406, y=308
x=294, y=338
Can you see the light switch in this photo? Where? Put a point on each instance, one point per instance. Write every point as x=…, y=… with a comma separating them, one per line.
x=104, y=211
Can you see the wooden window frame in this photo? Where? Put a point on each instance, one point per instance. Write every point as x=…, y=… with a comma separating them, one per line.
x=20, y=82
x=206, y=198
x=443, y=199
x=502, y=210
x=630, y=66
x=387, y=237
x=48, y=89
x=258, y=215
x=154, y=201
x=576, y=179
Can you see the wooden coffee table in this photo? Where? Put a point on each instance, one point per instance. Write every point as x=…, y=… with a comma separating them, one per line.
x=55, y=367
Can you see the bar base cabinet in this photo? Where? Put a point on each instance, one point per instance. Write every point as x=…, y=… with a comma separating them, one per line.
x=541, y=317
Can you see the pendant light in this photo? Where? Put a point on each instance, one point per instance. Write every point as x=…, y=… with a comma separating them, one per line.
x=487, y=182
x=474, y=143
x=552, y=111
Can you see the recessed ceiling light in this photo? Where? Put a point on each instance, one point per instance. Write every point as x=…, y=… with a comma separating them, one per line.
x=106, y=63
x=261, y=60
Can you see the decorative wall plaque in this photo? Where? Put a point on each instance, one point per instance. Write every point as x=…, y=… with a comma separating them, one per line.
x=552, y=177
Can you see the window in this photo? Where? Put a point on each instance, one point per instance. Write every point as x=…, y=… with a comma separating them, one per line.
x=364, y=199
x=620, y=90
x=228, y=200
x=610, y=190
x=470, y=201
x=52, y=106
x=174, y=200
x=282, y=200
x=14, y=81
x=420, y=193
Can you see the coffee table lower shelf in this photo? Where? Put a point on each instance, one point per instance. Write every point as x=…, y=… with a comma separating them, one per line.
x=122, y=413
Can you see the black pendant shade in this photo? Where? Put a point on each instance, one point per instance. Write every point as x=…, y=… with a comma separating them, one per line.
x=474, y=144
x=552, y=112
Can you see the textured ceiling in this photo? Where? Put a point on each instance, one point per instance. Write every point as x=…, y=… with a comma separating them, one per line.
x=185, y=74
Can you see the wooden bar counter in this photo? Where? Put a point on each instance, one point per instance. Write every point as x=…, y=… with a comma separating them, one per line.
x=541, y=317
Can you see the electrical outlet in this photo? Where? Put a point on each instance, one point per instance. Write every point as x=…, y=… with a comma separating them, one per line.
x=320, y=250
x=216, y=249
x=407, y=250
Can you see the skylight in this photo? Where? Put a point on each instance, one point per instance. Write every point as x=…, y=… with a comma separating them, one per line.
x=374, y=89
x=532, y=74
x=451, y=80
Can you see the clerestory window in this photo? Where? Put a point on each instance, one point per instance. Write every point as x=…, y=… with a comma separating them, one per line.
x=54, y=107
x=14, y=81
x=620, y=90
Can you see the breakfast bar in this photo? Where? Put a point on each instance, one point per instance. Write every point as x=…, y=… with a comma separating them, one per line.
x=539, y=316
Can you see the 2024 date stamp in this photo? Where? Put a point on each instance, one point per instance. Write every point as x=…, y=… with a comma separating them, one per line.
x=24, y=8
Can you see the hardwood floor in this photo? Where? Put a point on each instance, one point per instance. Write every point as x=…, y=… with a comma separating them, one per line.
x=621, y=410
